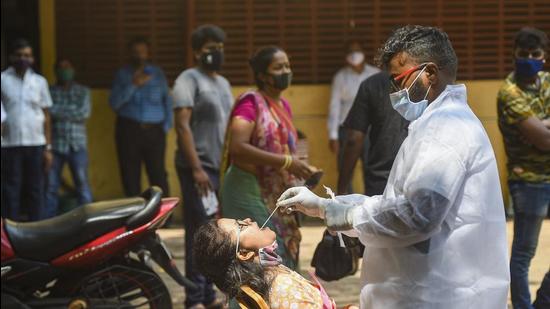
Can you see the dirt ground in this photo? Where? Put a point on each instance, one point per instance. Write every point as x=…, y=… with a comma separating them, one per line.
x=346, y=291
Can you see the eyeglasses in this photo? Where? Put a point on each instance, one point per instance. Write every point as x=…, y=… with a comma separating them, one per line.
x=241, y=225
x=397, y=81
x=533, y=54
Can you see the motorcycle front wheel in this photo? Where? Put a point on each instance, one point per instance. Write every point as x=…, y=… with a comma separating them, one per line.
x=127, y=285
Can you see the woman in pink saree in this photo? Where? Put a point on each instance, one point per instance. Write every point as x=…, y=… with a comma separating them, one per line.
x=259, y=159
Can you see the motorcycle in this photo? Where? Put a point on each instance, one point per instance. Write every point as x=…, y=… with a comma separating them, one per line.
x=96, y=256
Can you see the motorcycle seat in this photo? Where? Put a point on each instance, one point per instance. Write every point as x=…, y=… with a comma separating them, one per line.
x=47, y=239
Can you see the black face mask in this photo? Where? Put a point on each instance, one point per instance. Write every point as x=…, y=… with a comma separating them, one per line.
x=282, y=81
x=212, y=60
x=21, y=64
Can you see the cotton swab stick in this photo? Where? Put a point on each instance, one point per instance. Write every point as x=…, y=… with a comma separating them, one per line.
x=267, y=220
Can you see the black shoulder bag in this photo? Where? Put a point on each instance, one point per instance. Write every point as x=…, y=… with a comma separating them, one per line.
x=333, y=262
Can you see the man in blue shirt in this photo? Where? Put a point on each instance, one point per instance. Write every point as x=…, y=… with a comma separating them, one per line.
x=140, y=98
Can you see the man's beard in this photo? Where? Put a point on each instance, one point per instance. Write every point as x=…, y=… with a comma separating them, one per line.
x=418, y=91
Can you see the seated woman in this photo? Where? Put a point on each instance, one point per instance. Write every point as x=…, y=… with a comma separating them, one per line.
x=236, y=253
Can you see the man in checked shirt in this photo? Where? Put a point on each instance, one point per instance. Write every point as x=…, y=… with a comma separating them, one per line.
x=71, y=108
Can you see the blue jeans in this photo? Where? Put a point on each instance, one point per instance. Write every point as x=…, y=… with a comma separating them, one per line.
x=78, y=165
x=23, y=180
x=531, y=202
x=194, y=216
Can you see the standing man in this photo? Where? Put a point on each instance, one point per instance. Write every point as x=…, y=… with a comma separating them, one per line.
x=344, y=88
x=372, y=114
x=26, y=146
x=436, y=238
x=140, y=98
x=523, y=117
x=70, y=110
x=202, y=102
x=2, y=114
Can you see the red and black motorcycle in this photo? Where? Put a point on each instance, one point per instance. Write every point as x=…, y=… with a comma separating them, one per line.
x=95, y=256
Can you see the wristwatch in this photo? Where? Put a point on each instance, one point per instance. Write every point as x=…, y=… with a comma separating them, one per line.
x=48, y=147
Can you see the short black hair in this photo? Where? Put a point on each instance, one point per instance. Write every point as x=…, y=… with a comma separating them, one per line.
x=425, y=44
x=352, y=41
x=61, y=59
x=531, y=38
x=19, y=44
x=260, y=61
x=138, y=40
x=206, y=33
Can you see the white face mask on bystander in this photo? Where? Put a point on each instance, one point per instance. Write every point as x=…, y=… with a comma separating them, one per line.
x=355, y=58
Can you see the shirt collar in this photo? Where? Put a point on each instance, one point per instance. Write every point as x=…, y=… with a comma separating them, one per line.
x=458, y=92
x=130, y=67
x=542, y=76
x=11, y=70
x=73, y=86
x=366, y=70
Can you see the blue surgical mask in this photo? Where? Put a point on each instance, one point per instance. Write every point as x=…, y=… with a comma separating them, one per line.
x=528, y=67
x=404, y=106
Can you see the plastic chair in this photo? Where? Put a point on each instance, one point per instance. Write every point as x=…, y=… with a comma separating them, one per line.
x=251, y=300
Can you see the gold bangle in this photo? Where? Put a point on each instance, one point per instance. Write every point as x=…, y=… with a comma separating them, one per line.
x=287, y=162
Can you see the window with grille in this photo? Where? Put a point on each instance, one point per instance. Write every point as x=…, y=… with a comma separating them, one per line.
x=94, y=35
x=94, y=32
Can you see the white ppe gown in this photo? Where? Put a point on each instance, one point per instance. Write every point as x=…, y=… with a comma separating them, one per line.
x=436, y=238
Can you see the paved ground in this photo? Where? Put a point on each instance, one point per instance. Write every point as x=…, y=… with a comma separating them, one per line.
x=346, y=291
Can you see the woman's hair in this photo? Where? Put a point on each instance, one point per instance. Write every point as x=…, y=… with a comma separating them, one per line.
x=261, y=60
x=214, y=255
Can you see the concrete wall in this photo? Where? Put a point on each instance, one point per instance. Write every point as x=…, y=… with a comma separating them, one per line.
x=309, y=103
x=310, y=106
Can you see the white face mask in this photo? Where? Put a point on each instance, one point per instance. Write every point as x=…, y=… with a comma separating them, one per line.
x=404, y=106
x=355, y=58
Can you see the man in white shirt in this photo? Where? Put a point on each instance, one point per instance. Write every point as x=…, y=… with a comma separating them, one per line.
x=344, y=88
x=3, y=113
x=26, y=148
